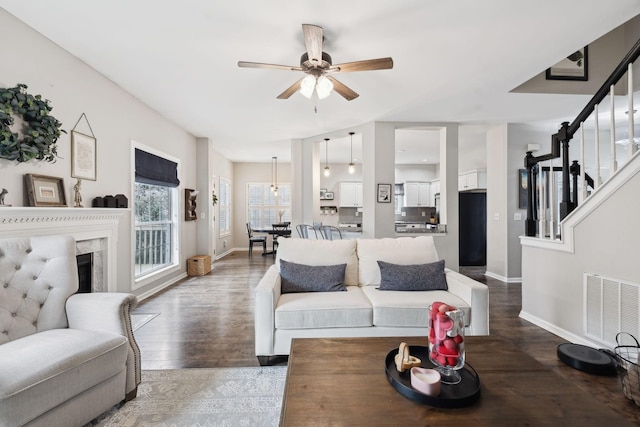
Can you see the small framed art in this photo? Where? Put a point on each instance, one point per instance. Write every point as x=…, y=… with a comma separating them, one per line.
x=573, y=67
x=83, y=156
x=384, y=193
x=45, y=190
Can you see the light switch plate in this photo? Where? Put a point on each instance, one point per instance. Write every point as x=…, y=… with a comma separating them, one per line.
x=517, y=216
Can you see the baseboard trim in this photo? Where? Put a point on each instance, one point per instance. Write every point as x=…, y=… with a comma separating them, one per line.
x=161, y=286
x=562, y=333
x=502, y=278
x=223, y=254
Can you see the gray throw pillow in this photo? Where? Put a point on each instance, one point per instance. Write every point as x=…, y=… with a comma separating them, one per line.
x=418, y=277
x=311, y=278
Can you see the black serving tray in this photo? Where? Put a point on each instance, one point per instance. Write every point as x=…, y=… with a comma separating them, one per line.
x=458, y=395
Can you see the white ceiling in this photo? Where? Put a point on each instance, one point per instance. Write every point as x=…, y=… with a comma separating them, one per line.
x=453, y=60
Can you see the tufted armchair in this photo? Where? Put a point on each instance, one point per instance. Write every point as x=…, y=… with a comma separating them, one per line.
x=65, y=358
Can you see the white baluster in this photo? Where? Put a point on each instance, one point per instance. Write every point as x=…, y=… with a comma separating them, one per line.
x=583, y=194
x=614, y=161
x=632, y=145
x=553, y=202
x=596, y=178
x=543, y=201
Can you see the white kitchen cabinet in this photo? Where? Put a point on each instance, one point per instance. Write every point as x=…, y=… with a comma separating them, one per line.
x=473, y=180
x=417, y=194
x=351, y=194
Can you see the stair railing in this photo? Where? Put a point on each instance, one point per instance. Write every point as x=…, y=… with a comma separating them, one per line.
x=544, y=213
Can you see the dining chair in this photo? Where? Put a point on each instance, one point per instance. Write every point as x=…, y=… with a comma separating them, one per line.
x=256, y=239
x=303, y=230
x=330, y=232
x=280, y=232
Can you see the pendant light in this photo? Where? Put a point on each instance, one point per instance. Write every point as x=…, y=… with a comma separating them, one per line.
x=272, y=175
x=352, y=167
x=274, y=186
x=327, y=171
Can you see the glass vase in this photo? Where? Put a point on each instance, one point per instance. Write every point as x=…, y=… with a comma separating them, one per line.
x=446, y=341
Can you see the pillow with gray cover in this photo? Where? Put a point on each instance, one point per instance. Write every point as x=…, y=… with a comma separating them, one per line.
x=311, y=278
x=417, y=277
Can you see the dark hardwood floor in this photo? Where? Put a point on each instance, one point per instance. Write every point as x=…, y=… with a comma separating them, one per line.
x=207, y=322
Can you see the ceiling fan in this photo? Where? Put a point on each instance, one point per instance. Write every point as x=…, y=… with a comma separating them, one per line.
x=318, y=67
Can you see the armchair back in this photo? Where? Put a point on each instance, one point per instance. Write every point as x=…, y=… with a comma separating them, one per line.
x=37, y=275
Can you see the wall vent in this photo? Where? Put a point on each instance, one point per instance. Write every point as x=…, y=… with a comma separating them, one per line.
x=610, y=306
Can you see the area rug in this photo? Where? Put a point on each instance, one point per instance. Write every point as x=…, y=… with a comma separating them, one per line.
x=139, y=320
x=203, y=398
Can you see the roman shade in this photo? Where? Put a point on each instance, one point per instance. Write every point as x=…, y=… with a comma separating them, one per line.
x=155, y=170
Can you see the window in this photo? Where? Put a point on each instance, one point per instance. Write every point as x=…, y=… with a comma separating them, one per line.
x=225, y=207
x=264, y=207
x=155, y=206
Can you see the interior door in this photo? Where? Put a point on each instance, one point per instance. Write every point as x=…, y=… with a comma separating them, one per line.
x=473, y=229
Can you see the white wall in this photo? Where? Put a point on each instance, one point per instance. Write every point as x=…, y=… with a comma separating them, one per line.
x=116, y=118
x=497, y=203
x=605, y=243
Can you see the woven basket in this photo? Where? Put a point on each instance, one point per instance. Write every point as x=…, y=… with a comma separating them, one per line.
x=199, y=265
x=629, y=371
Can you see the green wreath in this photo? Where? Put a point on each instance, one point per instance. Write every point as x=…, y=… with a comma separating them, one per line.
x=40, y=130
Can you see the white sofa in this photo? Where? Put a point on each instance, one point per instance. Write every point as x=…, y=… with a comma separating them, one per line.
x=364, y=310
x=65, y=358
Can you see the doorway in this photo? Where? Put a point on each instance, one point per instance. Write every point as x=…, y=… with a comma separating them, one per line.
x=473, y=229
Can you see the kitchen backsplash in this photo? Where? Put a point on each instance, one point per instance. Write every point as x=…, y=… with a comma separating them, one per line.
x=350, y=216
x=416, y=214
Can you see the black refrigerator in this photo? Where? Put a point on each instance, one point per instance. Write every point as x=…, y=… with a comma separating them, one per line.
x=473, y=229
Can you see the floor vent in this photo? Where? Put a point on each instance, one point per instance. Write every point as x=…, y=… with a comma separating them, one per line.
x=610, y=306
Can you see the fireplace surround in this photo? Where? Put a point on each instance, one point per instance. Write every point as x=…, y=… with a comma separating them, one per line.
x=94, y=229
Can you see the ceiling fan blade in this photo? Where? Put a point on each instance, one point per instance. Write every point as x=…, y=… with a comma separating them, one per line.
x=369, y=64
x=313, y=42
x=290, y=90
x=245, y=64
x=343, y=90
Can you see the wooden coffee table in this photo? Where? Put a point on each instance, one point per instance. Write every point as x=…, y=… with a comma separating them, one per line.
x=342, y=382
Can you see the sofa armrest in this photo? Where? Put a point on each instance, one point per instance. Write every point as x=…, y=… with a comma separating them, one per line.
x=110, y=312
x=267, y=295
x=476, y=294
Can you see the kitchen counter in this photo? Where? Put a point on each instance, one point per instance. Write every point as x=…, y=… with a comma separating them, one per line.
x=419, y=228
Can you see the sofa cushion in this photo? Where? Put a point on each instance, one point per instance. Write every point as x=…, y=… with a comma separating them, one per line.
x=40, y=371
x=416, y=277
x=402, y=251
x=409, y=308
x=311, y=278
x=308, y=310
x=321, y=252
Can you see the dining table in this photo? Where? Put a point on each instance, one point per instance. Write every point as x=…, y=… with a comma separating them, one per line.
x=276, y=230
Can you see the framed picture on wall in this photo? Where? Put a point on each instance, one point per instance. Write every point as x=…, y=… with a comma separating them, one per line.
x=384, y=193
x=573, y=67
x=83, y=156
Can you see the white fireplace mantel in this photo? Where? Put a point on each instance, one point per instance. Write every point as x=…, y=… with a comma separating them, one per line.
x=81, y=223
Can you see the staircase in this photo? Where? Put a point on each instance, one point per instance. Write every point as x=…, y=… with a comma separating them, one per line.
x=555, y=189
x=583, y=220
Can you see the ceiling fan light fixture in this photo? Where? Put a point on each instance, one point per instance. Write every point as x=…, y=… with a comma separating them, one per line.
x=307, y=85
x=324, y=87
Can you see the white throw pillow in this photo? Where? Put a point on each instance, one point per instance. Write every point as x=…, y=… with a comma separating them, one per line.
x=402, y=251
x=321, y=252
